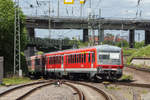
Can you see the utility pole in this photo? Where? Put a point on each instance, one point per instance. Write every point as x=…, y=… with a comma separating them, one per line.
x=17, y=58
x=100, y=12
x=49, y=21
x=58, y=9
x=89, y=23
x=81, y=10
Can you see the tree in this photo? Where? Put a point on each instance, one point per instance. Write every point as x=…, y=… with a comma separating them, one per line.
x=7, y=33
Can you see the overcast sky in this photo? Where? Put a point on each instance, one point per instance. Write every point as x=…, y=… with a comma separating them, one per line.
x=109, y=8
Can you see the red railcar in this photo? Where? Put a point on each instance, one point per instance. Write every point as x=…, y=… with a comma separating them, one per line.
x=104, y=61
x=36, y=65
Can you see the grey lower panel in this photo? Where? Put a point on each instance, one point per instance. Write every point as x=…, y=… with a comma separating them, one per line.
x=73, y=70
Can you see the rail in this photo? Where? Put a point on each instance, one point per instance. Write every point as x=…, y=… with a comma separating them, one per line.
x=22, y=86
x=94, y=88
x=81, y=95
x=33, y=90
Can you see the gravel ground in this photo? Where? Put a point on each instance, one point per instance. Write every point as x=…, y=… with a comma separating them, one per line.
x=15, y=94
x=54, y=93
x=118, y=92
x=138, y=76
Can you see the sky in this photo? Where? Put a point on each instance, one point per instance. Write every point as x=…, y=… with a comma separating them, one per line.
x=109, y=9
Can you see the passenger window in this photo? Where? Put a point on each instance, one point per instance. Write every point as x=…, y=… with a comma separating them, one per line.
x=79, y=58
x=85, y=58
x=82, y=57
x=66, y=59
x=59, y=59
x=89, y=58
x=69, y=59
x=93, y=57
x=62, y=60
x=49, y=60
x=75, y=59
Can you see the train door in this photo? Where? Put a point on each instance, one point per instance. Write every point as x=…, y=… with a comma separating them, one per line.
x=90, y=60
x=62, y=61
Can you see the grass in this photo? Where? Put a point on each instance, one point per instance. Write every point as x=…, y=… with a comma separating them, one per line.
x=113, y=88
x=15, y=80
x=127, y=51
x=126, y=77
x=144, y=92
x=141, y=52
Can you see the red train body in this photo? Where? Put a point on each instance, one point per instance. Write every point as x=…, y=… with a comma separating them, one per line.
x=103, y=61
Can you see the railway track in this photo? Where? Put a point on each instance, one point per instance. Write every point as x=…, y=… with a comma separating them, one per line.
x=81, y=95
x=35, y=86
x=132, y=84
x=17, y=93
x=105, y=96
x=140, y=69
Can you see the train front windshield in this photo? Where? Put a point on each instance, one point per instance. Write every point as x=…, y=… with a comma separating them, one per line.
x=109, y=58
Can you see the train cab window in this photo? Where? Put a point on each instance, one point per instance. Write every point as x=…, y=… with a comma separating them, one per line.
x=112, y=58
x=37, y=61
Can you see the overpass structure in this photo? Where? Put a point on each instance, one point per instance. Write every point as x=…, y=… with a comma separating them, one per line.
x=100, y=24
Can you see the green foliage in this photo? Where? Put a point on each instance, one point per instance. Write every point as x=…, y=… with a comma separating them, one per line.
x=15, y=80
x=126, y=77
x=139, y=44
x=7, y=33
x=40, y=53
x=128, y=51
x=122, y=43
x=141, y=52
x=113, y=88
x=82, y=44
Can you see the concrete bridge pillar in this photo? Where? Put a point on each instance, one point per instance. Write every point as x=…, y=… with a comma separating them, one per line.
x=85, y=35
x=31, y=49
x=31, y=32
x=131, y=38
x=147, y=37
x=100, y=36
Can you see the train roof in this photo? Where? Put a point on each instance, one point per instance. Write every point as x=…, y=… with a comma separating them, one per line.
x=108, y=48
x=99, y=47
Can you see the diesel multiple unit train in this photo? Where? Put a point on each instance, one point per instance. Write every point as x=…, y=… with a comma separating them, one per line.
x=103, y=61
